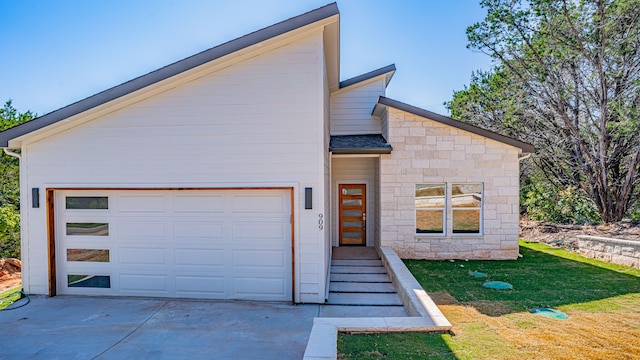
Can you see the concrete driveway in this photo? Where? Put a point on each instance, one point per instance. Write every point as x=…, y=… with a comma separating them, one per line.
x=71, y=327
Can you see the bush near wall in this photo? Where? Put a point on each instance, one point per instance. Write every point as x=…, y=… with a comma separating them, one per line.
x=9, y=232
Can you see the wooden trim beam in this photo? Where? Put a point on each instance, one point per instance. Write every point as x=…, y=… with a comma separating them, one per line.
x=51, y=235
x=293, y=246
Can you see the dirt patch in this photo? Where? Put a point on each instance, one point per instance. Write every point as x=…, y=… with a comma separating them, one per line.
x=566, y=236
x=443, y=298
x=491, y=308
x=10, y=273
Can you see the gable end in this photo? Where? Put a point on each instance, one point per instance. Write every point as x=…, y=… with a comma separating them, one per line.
x=169, y=71
x=384, y=101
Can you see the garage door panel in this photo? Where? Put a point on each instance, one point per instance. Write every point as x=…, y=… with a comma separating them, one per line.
x=252, y=259
x=188, y=285
x=199, y=204
x=89, y=269
x=142, y=203
x=259, y=287
x=260, y=232
x=222, y=244
x=142, y=256
x=259, y=203
x=209, y=231
x=143, y=283
x=141, y=230
x=209, y=258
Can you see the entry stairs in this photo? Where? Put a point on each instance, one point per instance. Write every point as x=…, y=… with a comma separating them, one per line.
x=360, y=286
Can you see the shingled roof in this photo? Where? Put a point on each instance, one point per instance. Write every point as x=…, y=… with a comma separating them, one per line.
x=359, y=144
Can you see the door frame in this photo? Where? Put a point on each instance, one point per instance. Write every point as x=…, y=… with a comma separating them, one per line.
x=339, y=213
x=51, y=223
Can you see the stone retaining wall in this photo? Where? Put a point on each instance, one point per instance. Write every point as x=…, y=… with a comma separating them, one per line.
x=623, y=252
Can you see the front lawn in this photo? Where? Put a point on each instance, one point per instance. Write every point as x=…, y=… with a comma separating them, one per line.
x=601, y=299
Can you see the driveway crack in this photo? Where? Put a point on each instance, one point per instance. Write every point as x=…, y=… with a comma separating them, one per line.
x=132, y=331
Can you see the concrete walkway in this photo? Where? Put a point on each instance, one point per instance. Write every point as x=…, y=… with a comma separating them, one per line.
x=423, y=313
x=72, y=327
x=360, y=286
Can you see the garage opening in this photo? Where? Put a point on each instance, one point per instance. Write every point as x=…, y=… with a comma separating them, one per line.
x=213, y=243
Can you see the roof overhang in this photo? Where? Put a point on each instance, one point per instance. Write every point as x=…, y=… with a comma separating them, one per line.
x=387, y=72
x=359, y=144
x=326, y=17
x=384, y=102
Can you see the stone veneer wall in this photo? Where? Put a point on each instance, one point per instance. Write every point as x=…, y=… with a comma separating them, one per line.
x=425, y=151
x=623, y=252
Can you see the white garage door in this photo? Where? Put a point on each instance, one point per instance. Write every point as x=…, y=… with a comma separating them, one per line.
x=220, y=244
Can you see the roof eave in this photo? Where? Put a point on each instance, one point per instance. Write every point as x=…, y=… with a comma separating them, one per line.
x=388, y=72
x=342, y=151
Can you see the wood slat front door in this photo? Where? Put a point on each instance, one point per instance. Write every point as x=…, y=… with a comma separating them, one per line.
x=353, y=214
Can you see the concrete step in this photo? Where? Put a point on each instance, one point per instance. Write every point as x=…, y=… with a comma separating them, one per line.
x=356, y=262
x=364, y=299
x=358, y=270
x=362, y=311
x=354, y=252
x=361, y=287
x=383, y=278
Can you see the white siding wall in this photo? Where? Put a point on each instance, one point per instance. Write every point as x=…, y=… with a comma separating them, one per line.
x=326, y=216
x=351, y=108
x=356, y=170
x=254, y=123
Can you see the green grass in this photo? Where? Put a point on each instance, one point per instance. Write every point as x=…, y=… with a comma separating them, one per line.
x=502, y=327
x=396, y=345
x=544, y=277
x=10, y=296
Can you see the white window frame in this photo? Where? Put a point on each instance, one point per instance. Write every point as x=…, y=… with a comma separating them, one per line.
x=448, y=209
x=443, y=209
x=479, y=208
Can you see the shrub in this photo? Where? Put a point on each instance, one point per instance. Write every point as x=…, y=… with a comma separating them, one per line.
x=9, y=232
x=544, y=202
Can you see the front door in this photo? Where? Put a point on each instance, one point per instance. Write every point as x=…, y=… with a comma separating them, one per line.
x=353, y=214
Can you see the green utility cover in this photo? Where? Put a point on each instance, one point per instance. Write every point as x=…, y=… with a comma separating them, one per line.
x=477, y=274
x=498, y=285
x=550, y=313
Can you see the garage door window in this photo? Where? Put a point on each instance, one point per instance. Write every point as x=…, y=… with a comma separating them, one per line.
x=89, y=281
x=88, y=255
x=88, y=229
x=87, y=202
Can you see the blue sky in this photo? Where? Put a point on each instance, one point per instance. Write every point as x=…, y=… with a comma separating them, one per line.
x=57, y=52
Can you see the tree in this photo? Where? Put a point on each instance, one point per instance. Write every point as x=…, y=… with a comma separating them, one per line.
x=10, y=186
x=567, y=80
